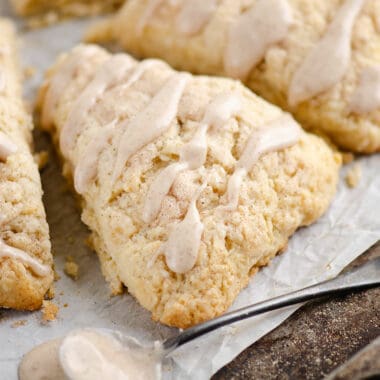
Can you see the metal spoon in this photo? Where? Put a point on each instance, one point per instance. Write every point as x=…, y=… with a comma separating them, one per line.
x=364, y=276
x=150, y=358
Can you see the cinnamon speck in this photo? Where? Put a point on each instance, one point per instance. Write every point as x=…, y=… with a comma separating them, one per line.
x=353, y=176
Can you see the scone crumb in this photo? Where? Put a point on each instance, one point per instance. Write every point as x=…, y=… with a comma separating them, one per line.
x=353, y=176
x=49, y=311
x=65, y=305
x=41, y=159
x=29, y=72
x=56, y=276
x=347, y=158
x=21, y=322
x=51, y=293
x=71, y=268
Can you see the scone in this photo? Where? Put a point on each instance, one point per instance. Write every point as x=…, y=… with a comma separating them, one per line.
x=189, y=184
x=25, y=256
x=65, y=7
x=319, y=59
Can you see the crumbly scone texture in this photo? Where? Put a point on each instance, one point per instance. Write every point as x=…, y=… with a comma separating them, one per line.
x=285, y=190
x=65, y=8
x=203, y=54
x=23, y=222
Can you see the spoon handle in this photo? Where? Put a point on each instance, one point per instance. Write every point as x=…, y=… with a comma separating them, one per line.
x=365, y=276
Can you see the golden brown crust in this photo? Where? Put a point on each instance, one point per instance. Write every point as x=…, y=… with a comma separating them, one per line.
x=64, y=8
x=284, y=190
x=23, y=221
x=272, y=77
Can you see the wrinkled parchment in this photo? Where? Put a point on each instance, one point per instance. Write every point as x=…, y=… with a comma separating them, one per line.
x=314, y=254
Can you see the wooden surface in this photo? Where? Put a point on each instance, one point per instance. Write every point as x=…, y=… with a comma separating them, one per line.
x=321, y=338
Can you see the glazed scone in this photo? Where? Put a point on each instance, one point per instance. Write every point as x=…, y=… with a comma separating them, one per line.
x=189, y=184
x=65, y=8
x=25, y=256
x=319, y=59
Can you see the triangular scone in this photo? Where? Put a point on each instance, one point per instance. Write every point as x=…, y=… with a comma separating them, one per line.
x=189, y=183
x=76, y=8
x=319, y=59
x=25, y=257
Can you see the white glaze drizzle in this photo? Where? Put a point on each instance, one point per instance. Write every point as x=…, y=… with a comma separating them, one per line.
x=329, y=59
x=7, y=147
x=279, y=134
x=151, y=122
x=7, y=251
x=250, y=36
x=149, y=11
x=194, y=15
x=59, y=81
x=182, y=247
x=366, y=97
x=193, y=154
x=110, y=72
x=86, y=169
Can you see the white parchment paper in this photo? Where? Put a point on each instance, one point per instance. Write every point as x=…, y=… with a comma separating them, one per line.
x=314, y=254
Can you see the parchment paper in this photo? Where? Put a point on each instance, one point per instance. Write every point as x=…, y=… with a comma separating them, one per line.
x=314, y=254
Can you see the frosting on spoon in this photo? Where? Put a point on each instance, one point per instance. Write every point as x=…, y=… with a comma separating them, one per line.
x=329, y=59
x=250, y=36
x=151, y=122
x=92, y=355
x=366, y=97
x=7, y=251
x=7, y=147
x=279, y=134
x=193, y=154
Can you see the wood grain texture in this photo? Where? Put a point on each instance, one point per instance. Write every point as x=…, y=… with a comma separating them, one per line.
x=316, y=340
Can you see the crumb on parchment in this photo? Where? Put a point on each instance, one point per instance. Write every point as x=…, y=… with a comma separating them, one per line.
x=49, y=311
x=51, y=293
x=71, y=268
x=41, y=159
x=19, y=323
x=353, y=176
x=29, y=72
x=347, y=158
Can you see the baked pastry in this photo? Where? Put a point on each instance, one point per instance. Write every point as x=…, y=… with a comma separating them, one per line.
x=318, y=59
x=189, y=184
x=25, y=257
x=76, y=8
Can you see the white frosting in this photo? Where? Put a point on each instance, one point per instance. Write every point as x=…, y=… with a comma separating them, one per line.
x=193, y=154
x=181, y=249
x=151, y=122
x=329, y=59
x=366, y=97
x=194, y=15
x=149, y=11
x=279, y=134
x=59, y=81
x=91, y=355
x=87, y=166
x=110, y=72
x=250, y=36
x=7, y=251
x=7, y=147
